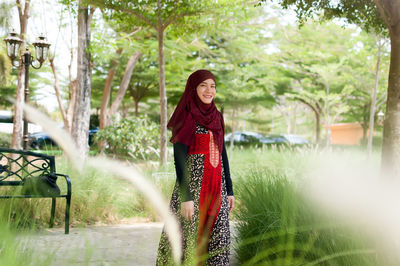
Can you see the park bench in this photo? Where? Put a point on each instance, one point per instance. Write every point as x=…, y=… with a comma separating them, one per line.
x=17, y=166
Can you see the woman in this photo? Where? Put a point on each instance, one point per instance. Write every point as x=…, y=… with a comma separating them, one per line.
x=203, y=196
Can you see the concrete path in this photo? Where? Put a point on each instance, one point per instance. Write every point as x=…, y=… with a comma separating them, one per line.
x=134, y=244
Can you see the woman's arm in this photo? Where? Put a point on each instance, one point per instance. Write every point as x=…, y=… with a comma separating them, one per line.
x=228, y=180
x=180, y=151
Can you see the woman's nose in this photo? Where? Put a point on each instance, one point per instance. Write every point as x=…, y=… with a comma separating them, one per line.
x=209, y=88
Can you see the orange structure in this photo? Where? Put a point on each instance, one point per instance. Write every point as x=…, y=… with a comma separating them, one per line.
x=346, y=133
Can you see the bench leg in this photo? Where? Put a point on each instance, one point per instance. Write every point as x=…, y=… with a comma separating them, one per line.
x=53, y=210
x=67, y=207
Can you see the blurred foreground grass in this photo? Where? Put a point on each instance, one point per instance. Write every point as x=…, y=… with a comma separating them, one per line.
x=275, y=225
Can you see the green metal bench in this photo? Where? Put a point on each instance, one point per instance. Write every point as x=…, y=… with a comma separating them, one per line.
x=17, y=165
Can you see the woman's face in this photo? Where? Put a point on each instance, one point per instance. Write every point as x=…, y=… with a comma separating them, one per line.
x=206, y=91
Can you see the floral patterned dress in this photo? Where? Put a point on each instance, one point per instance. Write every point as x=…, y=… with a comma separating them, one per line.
x=206, y=238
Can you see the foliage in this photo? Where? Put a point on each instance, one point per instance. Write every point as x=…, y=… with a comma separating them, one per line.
x=5, y=139
x=362, y=12
x=329, y=69
x=136, y=137
x=5, y=67
x=276, y=226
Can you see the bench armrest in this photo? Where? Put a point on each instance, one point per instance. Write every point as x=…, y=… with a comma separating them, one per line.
x=68, y=182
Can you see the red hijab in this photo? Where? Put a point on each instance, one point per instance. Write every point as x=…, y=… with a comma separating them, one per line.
x=191, y=110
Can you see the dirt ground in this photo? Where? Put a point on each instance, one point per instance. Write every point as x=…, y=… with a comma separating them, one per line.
x=134, y=244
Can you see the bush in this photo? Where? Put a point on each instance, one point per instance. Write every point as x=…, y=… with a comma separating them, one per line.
x=276, y=226
x=5, y=139
x=136, y=137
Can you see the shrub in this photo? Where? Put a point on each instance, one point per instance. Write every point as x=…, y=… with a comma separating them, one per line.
x=136, y=137
x=5, y=139
x=276, y=226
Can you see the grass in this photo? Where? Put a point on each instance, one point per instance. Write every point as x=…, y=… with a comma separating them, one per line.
x=276, y=226
x=102, y=198
x=14, y=251
x=97, y=198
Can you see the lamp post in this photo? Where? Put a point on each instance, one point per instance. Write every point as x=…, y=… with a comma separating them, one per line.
x=41, y=47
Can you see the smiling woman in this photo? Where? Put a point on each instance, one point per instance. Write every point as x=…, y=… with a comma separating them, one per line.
x=203, y=196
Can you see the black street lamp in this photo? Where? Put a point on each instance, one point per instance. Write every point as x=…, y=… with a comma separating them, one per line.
x=41, y=47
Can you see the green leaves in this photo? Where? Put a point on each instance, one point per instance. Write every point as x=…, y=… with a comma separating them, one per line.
x=136, y=138
x=361, y=12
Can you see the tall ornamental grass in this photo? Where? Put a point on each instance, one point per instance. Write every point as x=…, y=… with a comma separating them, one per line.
x=276, y=226
x=97, y=197
x=13, y=250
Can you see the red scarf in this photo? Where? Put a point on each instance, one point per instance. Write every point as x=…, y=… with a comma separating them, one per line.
x=191, y=110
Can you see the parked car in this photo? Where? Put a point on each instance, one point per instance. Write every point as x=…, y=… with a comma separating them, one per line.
x=284, y=139
x=244, y=138
x=40, y=140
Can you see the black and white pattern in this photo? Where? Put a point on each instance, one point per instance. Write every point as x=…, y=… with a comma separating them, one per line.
x=218, y=249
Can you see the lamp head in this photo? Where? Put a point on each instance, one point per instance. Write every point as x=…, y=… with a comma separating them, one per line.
x=13, y=43
x=41, y=48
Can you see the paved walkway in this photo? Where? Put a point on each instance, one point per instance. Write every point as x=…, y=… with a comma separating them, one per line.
x=134, y=244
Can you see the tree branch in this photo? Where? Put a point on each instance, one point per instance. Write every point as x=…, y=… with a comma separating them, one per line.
x=125, y=81
x=172, y=20
x=117, y=8
x=381, y=101
x=384, y=13
x=91, y=9
x=139, y=16
x=168, y=21
x=130, y=34
x=18, y=2
x=307, y=104
x=58, y=95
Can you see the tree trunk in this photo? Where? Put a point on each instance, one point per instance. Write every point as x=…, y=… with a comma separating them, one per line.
x=373, y=102
x=71, y=105
x=18, y=113
x=80, y=123
x=231, y=143
x=57, y=90
x=125, y=82
x=317, y=127
x=163, y=94
x=103, y=118
x=136, y=107
x=328, y=118
x=294, y=122
x=391, y=127
x=19, y=99
x=317, y=119
x=72, y=94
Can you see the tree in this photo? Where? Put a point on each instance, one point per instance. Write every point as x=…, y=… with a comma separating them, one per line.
x=112, y=36
x=311, y=67
x=235, y=51
x=23, y=13
x=142, y=84
x=380, y=16
x=5, y=65
x=157, y=15
x=81, y=117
